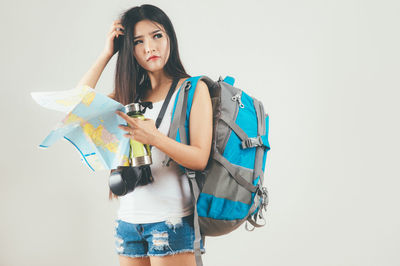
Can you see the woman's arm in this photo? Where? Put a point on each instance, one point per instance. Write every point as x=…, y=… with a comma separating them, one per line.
x=92, y=76
x=194, y=156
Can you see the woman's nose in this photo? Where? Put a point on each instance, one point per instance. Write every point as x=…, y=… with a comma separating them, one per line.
x=148, y=47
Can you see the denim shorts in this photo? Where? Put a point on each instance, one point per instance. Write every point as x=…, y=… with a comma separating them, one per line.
x=155, y=239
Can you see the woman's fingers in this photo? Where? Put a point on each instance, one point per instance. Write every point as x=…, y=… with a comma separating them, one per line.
x=129, y=130
x=119, y=29
x=116, y=26
x=126, y=128
x=122, y=114
x=131, y=121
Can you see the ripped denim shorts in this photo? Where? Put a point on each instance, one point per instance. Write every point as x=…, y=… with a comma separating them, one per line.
x=155, y=239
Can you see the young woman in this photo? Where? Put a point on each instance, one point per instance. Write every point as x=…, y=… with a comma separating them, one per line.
x=155, y=221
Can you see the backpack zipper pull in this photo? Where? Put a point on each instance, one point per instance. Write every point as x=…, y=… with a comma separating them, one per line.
x=236, y=98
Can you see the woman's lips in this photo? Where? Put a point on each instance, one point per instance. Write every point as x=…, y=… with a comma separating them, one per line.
x=154, y=57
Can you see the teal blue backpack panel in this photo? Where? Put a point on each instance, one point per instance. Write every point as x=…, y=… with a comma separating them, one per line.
x=247, y=120
x=229, y=80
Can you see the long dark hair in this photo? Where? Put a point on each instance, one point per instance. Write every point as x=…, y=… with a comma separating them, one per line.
x=130, y=78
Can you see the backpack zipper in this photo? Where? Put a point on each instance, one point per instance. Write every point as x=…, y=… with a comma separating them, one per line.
x=237, y=98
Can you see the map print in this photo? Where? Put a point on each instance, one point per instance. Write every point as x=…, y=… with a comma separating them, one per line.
x=90, y=125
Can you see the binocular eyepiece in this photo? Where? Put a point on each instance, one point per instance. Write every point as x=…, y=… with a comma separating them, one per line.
x=125, y=179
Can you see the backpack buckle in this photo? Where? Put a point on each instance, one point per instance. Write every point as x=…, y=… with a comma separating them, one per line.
x=188, y=85
x=252, y=142
x=264, y=197
x=190, y=173
x=262, y=192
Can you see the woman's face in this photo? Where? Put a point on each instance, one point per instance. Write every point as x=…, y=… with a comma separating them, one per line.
x=150, y=39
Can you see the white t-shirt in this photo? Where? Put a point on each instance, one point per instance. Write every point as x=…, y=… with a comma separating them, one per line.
x=169, y=195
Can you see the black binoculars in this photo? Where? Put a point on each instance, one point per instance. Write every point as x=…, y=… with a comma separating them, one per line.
x=125, y=179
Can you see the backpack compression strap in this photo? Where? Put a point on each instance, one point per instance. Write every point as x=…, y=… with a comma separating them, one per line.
x=262, y=192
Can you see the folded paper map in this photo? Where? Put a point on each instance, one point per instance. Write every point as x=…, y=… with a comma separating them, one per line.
x=91, y=125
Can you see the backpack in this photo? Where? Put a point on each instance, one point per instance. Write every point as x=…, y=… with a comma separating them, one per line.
x=229, y=191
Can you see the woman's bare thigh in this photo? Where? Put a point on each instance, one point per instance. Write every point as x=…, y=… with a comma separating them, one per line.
x=128, y=261
x=181, y=259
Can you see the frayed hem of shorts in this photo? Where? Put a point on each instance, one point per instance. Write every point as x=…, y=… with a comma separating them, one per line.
x=133, y=256
x=176, y=252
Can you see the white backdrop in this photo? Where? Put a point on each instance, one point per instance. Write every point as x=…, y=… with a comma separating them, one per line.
x=327, y=72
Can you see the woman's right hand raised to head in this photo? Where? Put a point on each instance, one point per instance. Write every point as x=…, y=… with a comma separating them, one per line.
x=93, y=74
x=116, y=30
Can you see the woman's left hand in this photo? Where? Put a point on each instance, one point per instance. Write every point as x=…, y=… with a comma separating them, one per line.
x=144, y=131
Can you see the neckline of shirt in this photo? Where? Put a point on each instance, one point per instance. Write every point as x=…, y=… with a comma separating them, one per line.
x=155, y=103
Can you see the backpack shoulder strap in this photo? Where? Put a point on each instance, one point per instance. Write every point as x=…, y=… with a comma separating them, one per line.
x=179, y=129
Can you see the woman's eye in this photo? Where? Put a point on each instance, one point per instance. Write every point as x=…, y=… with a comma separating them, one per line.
x=159, y=35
